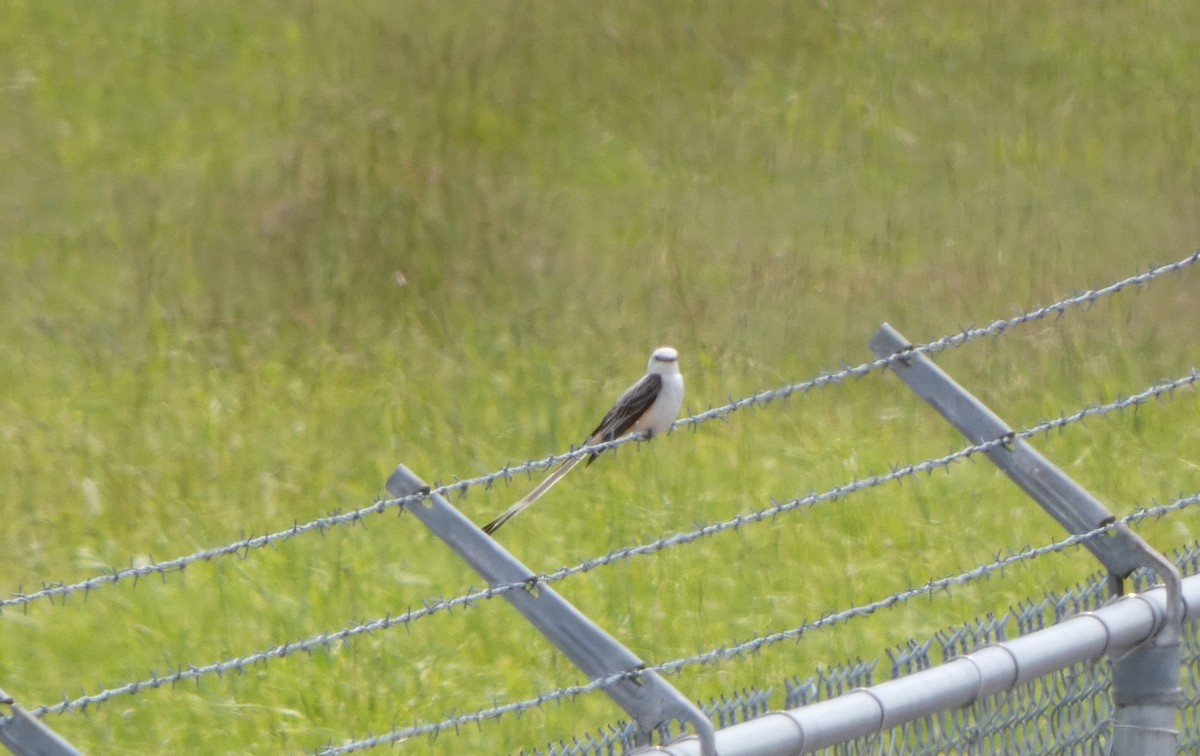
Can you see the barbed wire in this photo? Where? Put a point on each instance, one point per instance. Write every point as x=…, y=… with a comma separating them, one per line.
x=469, y=599
x=756, y=644
x=995, y=328
x=244, y=546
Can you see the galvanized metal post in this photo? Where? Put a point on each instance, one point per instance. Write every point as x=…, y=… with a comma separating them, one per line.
x=645, y=696
x=1146, y=689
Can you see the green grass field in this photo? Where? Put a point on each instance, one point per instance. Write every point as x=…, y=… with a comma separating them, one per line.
x=206, y=211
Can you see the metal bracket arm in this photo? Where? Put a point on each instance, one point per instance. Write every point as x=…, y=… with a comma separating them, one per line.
x=24, y=734
x=1065, y=500
x=646, y=697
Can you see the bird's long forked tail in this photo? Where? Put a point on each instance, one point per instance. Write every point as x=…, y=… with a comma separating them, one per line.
x=533, y=495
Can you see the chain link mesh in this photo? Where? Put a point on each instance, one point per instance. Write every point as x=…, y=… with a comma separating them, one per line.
x=1068, y=711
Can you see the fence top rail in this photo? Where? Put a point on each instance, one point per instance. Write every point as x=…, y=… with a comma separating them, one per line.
x=997, y=667
x=244, y=546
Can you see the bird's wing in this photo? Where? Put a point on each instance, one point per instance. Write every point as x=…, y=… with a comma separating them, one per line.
x=631, y=406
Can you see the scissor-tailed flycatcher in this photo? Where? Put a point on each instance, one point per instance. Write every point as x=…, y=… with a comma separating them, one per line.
x=648, y=406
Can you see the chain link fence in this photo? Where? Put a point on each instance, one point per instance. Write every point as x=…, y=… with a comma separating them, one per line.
x=1069, y=711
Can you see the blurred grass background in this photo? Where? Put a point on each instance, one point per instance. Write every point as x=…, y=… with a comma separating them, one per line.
x=207, y=211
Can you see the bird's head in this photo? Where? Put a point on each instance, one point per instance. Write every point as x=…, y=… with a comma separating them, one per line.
x=664, y=360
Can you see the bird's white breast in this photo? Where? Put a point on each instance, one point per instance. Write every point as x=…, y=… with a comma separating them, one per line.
x=666, y=408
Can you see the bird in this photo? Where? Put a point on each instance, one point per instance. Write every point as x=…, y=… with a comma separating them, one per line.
x=648, y=406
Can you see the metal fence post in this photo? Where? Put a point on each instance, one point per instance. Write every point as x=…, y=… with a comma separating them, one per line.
x=645, y=696
x=1146, y=689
